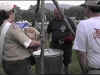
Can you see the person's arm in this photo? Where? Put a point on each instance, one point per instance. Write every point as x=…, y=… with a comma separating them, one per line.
x=80, y=46
x=82, y=58
x=34, y=44
x=23, y=39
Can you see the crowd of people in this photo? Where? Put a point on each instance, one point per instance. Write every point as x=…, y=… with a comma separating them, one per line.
x=19, y=41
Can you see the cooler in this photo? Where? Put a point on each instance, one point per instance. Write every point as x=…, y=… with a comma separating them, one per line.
x=53, y=61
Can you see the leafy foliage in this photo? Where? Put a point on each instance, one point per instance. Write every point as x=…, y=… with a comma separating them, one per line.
x=31, y=16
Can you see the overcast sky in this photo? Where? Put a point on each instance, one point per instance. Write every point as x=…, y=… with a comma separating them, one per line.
x=25, y=4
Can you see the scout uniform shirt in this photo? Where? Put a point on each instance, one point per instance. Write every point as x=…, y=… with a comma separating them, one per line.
x=16, y=44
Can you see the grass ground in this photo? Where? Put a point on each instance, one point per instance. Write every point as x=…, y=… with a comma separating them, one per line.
x=74, y=67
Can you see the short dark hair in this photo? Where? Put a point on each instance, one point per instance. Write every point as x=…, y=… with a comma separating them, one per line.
x=3, y=16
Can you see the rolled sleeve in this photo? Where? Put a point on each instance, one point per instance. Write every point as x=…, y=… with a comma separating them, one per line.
x=27, y=43
x=20, y=36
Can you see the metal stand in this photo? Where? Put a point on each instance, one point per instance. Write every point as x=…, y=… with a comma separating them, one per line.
x=41, y=5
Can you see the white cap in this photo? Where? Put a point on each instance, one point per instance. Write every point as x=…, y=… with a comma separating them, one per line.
x=6, y=6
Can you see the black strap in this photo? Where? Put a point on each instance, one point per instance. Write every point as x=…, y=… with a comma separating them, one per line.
x=72, y=24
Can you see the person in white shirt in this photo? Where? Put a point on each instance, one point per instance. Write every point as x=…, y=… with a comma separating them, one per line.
x=14, y=44
x=87, y=40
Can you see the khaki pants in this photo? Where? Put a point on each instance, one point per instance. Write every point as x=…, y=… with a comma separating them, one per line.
x=22, y=67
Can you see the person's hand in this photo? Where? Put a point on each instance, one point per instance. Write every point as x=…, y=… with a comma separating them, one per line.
x=35, y=45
